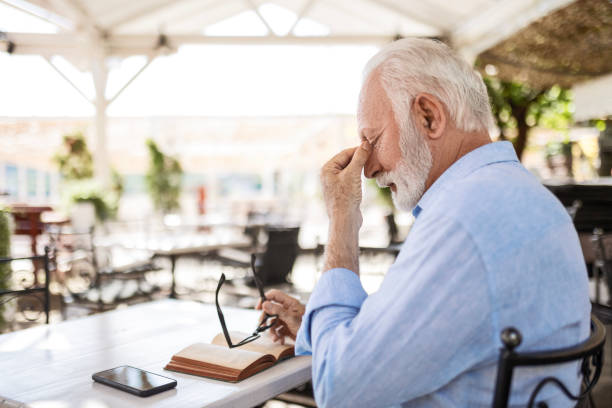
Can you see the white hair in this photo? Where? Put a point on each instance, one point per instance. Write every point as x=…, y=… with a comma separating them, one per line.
x=410, y=66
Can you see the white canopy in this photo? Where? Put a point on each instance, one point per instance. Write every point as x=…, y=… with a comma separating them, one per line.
x=90, y=31
x=117, y=27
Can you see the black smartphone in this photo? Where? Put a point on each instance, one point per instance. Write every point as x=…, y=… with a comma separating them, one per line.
x=134, y=380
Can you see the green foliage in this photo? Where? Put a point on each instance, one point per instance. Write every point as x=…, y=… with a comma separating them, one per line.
x=599, y=124
x=383, y=194
x=163, y=179
x=553, y=109
x=5, y=251
x=105, y=203
x=117, y=183
x=517, y=108
x=75, y=163
x=74, y=158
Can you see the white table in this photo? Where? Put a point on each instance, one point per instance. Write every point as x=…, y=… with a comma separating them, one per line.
x=51, y=366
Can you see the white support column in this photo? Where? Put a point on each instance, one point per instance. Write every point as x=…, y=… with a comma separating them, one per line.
x=100, y=150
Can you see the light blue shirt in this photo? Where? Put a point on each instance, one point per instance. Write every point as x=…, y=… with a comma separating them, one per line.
x=490, y=248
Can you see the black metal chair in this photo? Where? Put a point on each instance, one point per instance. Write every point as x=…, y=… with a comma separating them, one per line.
x=274, y=263
x=590, y=352
x=91, y=277
x=602, y=264
x=30, y=290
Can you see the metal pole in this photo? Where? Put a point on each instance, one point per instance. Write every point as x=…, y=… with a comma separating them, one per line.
x=504, y=379
x=46, y=262
x=172, y=270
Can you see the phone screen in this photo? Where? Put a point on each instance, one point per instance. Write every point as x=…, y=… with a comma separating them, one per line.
x=135, y=378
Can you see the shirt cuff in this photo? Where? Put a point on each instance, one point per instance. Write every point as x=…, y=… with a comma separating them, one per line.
x=337, y=287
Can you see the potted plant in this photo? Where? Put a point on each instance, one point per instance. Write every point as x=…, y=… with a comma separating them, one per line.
x=88, y=199
x=163, y=179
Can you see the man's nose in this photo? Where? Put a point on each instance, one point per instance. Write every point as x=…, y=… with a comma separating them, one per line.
x=371, y=168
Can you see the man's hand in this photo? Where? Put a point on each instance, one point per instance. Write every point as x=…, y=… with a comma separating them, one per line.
x=341, y=179
x=289, y=311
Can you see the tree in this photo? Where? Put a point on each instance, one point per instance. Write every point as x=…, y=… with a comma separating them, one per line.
x=164, y=179
x=517, y=108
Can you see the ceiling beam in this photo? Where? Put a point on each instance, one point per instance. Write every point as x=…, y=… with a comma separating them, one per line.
x=40, y=12
x=51, y=6
x=263, y=20
x=305, y=9
x=75, y=11
x=132, y=79
x=499, y=22
x=428, y=17
x=194, y=10
x=61, y=73
x=126, y=45
x=142, y=13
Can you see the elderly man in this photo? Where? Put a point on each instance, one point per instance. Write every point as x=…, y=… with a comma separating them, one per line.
x=489, y=248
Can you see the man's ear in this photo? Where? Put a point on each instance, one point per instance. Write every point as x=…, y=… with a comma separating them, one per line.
x=430, y=115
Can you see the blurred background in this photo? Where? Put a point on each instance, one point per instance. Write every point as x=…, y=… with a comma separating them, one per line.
x=152, y=144
x=148, y=146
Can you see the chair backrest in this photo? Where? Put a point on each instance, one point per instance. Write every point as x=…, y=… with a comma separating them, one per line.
x=602, y=264
x=590, y=352
x=595, y=209
x=9, y=294
x=280, y=254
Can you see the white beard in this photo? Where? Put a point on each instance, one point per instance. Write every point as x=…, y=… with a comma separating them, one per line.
x=411, y=171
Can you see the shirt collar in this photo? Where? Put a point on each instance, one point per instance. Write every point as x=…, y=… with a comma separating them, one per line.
x=488, y=154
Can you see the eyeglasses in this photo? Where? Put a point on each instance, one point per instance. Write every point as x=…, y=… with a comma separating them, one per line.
x=262, y=325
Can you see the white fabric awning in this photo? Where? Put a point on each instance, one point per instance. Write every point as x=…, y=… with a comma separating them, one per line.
x=89, y=32
x=134, y=27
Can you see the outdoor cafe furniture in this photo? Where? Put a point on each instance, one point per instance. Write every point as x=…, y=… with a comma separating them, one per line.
x=53, y=364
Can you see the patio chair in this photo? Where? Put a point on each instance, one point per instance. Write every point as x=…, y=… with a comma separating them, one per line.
x=590, y=352
x=29, y=292
x=590, y=206
x=94, y=277
x=275, y=262
x=602, y=262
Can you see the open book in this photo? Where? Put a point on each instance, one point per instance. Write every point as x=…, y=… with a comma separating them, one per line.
x=217, y=360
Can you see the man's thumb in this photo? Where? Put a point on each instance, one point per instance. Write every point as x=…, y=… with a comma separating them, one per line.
x=360, y=157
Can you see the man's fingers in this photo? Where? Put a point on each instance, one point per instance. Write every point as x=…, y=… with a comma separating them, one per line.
x=280, y=334
x=275, y=308
x=341, y=160
x=360, y=157
x=280, y=297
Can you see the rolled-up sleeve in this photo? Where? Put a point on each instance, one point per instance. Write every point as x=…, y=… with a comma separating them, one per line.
x=337, y=297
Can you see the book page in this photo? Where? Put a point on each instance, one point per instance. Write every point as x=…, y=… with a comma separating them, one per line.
x=203, y=354
x=263, y=345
